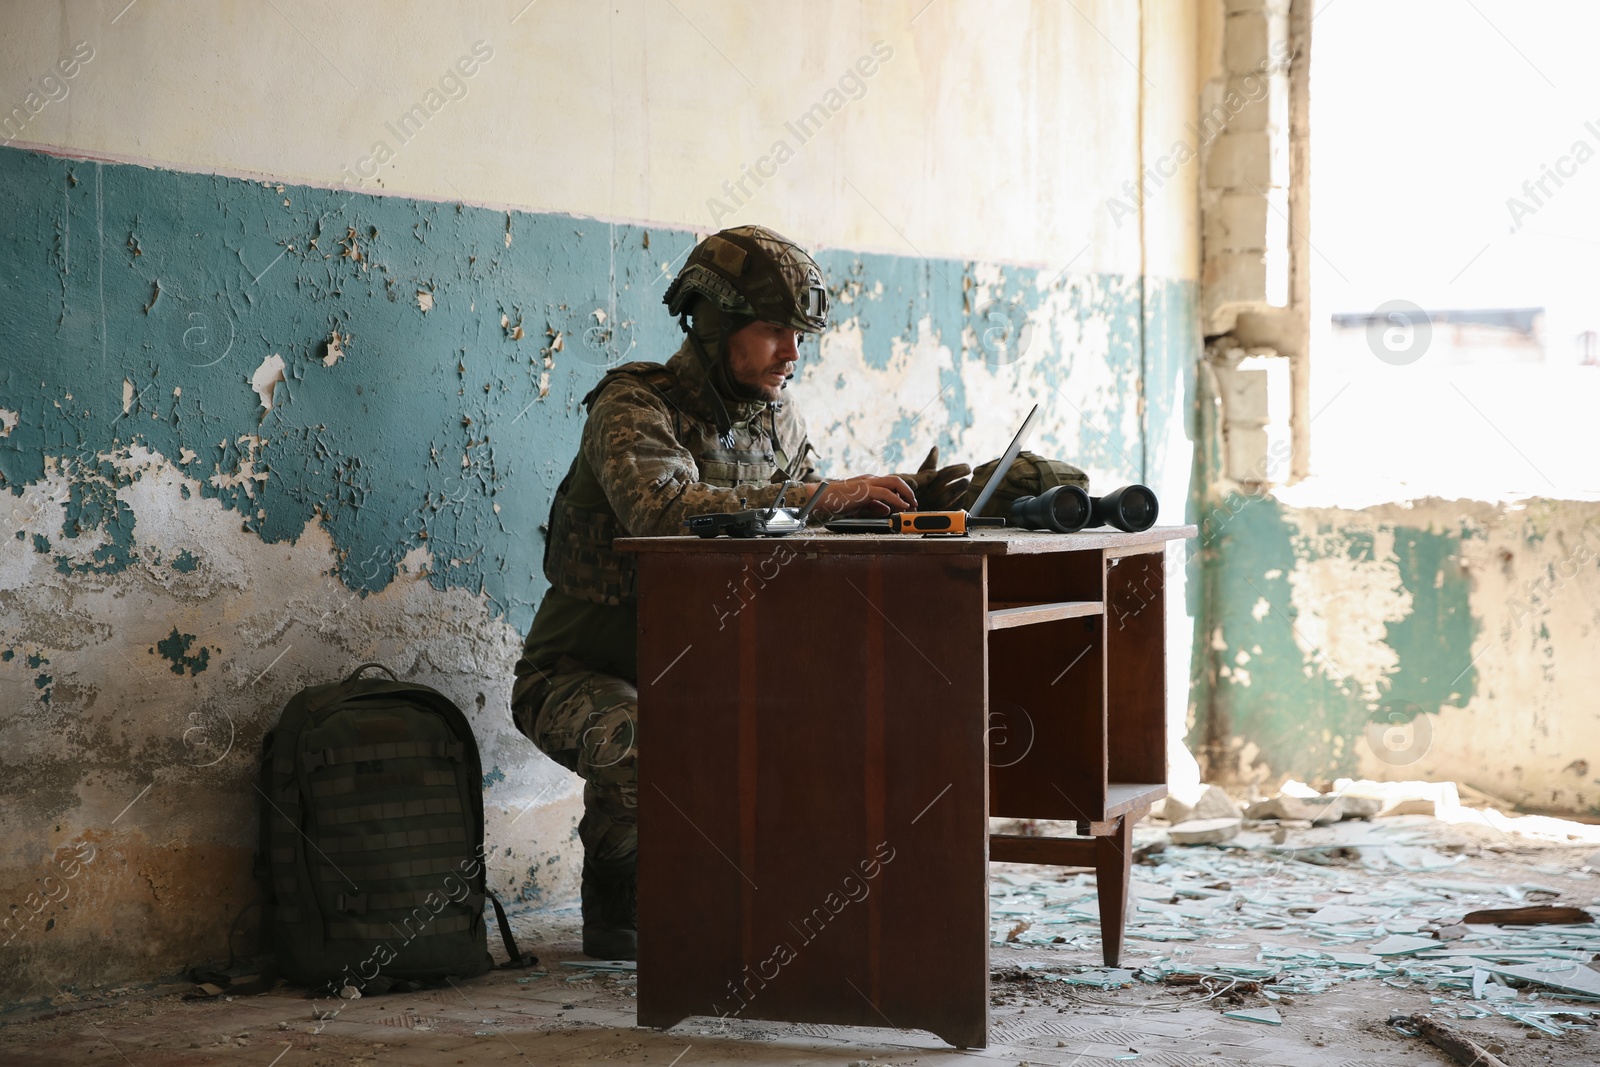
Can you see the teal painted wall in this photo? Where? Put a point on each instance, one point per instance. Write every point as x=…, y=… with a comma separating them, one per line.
x=179, y=282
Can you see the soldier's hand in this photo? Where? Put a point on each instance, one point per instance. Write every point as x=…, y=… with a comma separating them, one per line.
x=938, y=488
x=867, y=496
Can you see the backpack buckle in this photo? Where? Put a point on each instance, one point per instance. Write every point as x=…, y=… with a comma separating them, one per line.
x=351, y=903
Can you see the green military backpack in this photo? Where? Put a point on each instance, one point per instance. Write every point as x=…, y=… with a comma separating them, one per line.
x=372, y=837
x=1030, y=475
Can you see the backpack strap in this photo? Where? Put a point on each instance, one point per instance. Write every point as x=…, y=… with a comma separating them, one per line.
x=516, y=958
x=357, y=672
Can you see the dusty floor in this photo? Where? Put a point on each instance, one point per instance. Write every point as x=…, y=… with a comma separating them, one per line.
x=1270, y=918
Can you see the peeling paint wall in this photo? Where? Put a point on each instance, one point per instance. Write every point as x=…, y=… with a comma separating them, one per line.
x=256, y=431
x=1436, y=639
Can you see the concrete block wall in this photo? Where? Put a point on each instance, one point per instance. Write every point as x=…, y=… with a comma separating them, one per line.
x=1244, y=195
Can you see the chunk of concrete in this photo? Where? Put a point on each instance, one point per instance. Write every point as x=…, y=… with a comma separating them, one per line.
x=1204, y=802
x=1205, y=831
x=1413, y=806
x=1439, y=799
x=1320, y=809
x=1361, y=807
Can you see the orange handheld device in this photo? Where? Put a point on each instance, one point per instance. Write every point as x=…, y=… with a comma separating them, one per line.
x=952, y=523
x=957, y=523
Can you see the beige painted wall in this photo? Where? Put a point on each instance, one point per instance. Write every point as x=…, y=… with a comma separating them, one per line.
x=993, y=129
x=1171, y=218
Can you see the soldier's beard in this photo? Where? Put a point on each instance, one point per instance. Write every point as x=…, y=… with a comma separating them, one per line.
x=762, y=392
x=728, y=382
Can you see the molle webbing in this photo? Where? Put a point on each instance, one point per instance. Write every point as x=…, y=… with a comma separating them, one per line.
x=332, y=757
x=361, y=903
x=397, y=809
x=361, y=873
x=398, y=930
x=440, y=835
x=579, y=559
x=365, y=783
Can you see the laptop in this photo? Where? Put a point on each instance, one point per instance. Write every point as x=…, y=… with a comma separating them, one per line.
x=974, y=514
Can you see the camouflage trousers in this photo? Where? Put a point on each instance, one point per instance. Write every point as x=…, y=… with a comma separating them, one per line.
x=587, y=722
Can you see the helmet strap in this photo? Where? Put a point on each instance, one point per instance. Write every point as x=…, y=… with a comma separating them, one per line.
x=723, y=419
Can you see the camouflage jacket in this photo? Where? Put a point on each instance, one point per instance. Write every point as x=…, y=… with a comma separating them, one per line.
x=650, y=457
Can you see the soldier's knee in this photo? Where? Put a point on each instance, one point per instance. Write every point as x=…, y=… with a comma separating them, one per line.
x=609, y=746
x=608, y=742
x=529, y=694
x=523, y=716
x=586, y=721
x=613, y=695
x=609, y=802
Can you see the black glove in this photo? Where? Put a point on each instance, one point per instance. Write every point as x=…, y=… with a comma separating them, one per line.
x=939, y=488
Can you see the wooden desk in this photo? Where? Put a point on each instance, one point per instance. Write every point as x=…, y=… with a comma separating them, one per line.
x=828, y=723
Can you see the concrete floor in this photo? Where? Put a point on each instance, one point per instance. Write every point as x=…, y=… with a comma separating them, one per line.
x=576, y=1017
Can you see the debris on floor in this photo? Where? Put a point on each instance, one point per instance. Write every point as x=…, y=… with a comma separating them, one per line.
x=1312, y=809
x=1463, y=1050
x=1287, y=945
x=1269, y=1016
x=1201, y=802
x=1311, y=899
x=621, y=966
x=1205, y=831
x=1536, y=915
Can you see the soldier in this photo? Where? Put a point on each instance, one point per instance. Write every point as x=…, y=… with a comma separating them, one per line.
x=707, y=431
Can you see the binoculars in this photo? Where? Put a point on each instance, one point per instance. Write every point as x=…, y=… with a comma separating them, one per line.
x=1068, y=509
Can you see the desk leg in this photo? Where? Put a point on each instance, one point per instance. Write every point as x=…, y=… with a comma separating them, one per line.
x=1112, y=867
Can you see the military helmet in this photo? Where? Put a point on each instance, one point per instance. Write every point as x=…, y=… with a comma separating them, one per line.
x=752, y=272
x=1030, y=475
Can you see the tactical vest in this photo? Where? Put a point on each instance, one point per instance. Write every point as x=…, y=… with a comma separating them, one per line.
x=578, y=558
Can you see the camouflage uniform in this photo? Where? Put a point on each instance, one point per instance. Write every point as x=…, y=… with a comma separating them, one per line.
x=652, y=454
